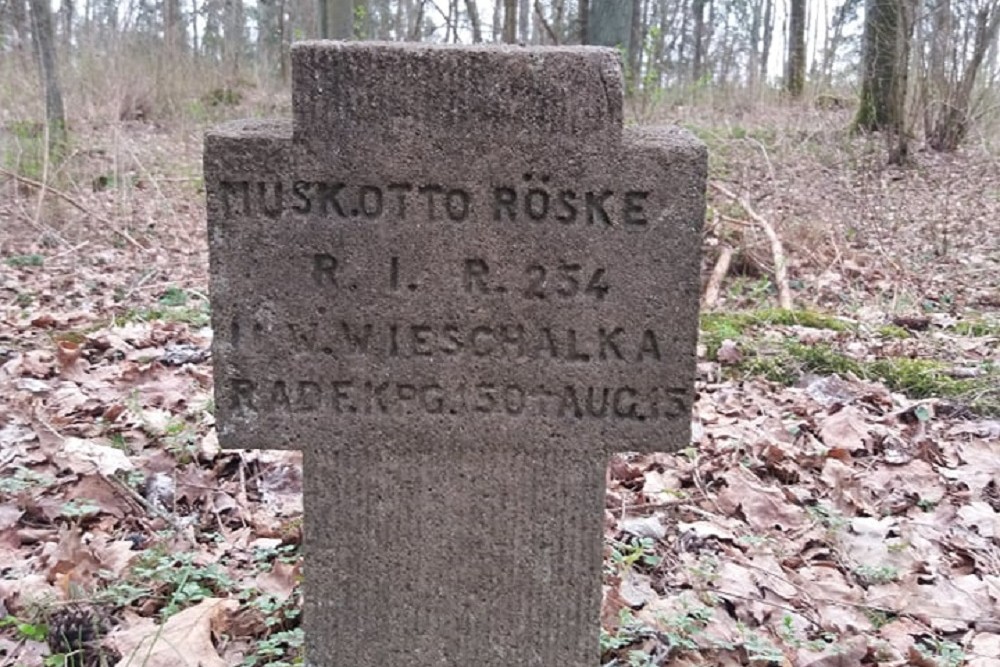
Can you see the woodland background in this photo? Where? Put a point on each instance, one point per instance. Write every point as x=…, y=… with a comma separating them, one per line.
x=839, y=502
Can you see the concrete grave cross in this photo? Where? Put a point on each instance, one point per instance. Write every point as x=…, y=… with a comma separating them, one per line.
x=457, y=285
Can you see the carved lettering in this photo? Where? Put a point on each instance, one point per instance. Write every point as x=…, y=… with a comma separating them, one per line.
x=538, y=203
x=350, y=398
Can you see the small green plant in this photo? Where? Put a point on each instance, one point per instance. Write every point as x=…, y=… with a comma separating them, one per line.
x=173, y=297
x=926, y=504
x=685, y=626
x=22, y=480
x=879, y=617
x=941, y=652
x=180, y=439
x=759, y=648
x=36, y=632
x=826, y=516
x=173, y=578
x=876, y=574
x=79, y=509
x=281, y=649
x=640, y=551
x=630, y=631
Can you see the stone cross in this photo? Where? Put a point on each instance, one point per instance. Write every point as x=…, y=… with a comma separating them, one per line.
x=457, y=285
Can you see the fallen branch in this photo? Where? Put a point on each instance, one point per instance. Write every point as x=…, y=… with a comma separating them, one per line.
x=72, y=202
x=777, y=251
x=718, y=275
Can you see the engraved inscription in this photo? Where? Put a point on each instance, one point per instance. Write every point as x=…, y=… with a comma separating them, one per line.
x=436, y=202
x=499, y=341
x=402, y=397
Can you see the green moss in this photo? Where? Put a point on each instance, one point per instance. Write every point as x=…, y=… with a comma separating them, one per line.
x=18, y=261
x=786, y=360
x=917, y=378
x=823, y=359
x=194, y=316
x=717, y=327
x=977, y=328
x=804, y=318
x=894, y=332
x=778, y=368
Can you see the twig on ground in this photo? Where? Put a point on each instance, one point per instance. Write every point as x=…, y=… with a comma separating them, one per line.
x=777, y=250
x=71, y=201
x=718, y=275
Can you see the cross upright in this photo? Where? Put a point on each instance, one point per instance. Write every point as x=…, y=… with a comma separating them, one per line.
x=457, y=284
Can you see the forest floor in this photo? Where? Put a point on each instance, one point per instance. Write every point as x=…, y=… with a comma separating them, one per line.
x=839, y=503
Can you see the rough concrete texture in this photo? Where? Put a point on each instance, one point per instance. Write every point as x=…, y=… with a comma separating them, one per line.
x=457, y=284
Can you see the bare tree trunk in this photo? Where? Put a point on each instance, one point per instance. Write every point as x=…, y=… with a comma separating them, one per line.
x=635, y=43
x=510, y=21
x=952, y=123
x=524, y=21
x=795, y=64
x=540, y=13
x=699, y=39
x=337, y=19
x=753, y=60
x=45, y=49
x=886, y=54
x=232, y=45
x=557, y=23
x=417, y=34
x=843, y=14
x=765, y=49
x=887, y=36
x=477, y=26
x=173, y=27
x=66, y=13
x=610, y=23
x=584, y=21
x=269, y=37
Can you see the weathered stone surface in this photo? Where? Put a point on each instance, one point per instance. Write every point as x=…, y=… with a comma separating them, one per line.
x=457, y=284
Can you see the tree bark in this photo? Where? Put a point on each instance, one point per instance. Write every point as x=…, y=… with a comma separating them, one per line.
x=173, y=27
x=45, y=48
x=881, y=67
x=635, y=43
x=610, y=23
x=698, y=36
x=544, y=24
x=232, y=45
x=524, y=21
x=795, y=64
x=477, y=26
x=337, y=19
x=269, y=36
x=584, y=21
x=765, y=49
x=510, y=21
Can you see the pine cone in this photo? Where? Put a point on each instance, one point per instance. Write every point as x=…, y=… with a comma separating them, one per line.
x=76, y=631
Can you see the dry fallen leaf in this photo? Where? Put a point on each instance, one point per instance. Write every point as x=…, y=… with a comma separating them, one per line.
x=183, y=640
